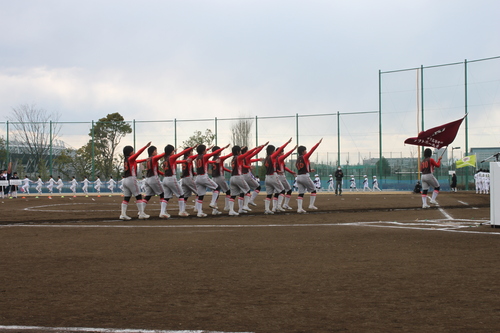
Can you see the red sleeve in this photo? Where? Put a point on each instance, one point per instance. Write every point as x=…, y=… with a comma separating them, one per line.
x=207, y=156
x=279, y=150
x=290, y=171
x=157, y=157
x=226, y=169
x=312, y=150
x=254, y=160
x=141, y=161
x=139, y=152
x=436, y=164
x=223, y=158
x=176, y=156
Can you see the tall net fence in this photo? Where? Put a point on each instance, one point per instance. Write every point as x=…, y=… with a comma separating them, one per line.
x=364, y=143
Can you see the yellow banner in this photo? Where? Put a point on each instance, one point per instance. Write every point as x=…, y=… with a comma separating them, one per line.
x=467, y=161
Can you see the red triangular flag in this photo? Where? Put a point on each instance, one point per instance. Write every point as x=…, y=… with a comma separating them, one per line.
x=437, y=137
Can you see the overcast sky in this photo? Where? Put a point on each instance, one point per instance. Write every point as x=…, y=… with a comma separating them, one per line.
x=160, y=60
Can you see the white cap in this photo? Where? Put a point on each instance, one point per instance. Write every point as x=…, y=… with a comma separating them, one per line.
x=374, y=176
x=316, y=175
x=330, y=175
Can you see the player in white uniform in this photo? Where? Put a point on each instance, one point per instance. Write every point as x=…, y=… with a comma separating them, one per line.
x=26, y=186
x=50, y=184
x=487, y=181
x=317, y=182
x=97, y=185
x=72, y=185
x=476, y=181
x=352, y=186
x=375, y=184
x=365, y=183
x=111, y=184
x=142, y=184
x=60, y=184
x=85, y=185
x=39, y=184
x=331, y=185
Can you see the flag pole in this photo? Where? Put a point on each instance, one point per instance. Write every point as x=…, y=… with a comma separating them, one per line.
x=418, y=121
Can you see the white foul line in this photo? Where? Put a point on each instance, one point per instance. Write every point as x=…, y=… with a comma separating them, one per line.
x=103, y=330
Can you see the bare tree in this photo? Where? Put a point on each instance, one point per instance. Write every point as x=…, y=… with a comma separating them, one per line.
x=198, y=138
x=34, y=130
x=240, y=132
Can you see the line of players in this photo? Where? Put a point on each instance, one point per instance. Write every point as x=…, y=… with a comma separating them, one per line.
x=58, y=184
x=242, y=189
x=352, y=184
x=482, y=181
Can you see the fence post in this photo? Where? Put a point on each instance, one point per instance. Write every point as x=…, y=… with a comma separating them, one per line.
x=93, y=151
x=216, y=131
x=466, y=124
x=7, y=144
x=338, y=138
x=297, y=127
x=50, y=147
x=175, y=132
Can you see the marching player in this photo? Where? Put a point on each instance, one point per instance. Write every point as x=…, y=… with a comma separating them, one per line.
x=218, y=170
x=72, y=187
x=153, y=184
x=304, y=181
x=111, y=184
x=365, y=183
x=428, y=180
x=187, y=176
x=39, y=184
x=85, y=186
x=170, y=183
x=97, y=184
x=273, y=184
x=252, y=180
x=238, y=184
x=353, y=187
x=375, y=184
x=330, y=183
x=130, y=186
x=286, y=194
x=60, y=184
x=317, y=182
x=50, y=184
x=26, y=185
x=202, y=180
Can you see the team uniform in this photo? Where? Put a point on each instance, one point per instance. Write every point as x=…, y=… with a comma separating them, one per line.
x=281, y=168
x=187, y=176
x=72, y=186
x=352, y=186
x=130, y=186
x=366, y=186
x=26, y=185
x=171, y=185
x=252, y=181
x=428, y=180
x=85, y=187
x=60, y=184
x=273, y=184
x=50, y=184
x=330, y=184
x=218, y=170
x=202, y=180
x=97, y=185
x=317, y=182
x=111, y=185
x=375, y=184
x=39, y=184
x=304, y=181
x=239, y=187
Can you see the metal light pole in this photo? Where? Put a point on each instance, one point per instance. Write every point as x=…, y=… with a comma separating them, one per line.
x=452, y=149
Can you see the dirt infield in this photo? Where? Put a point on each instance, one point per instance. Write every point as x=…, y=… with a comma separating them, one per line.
x=364, y=262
